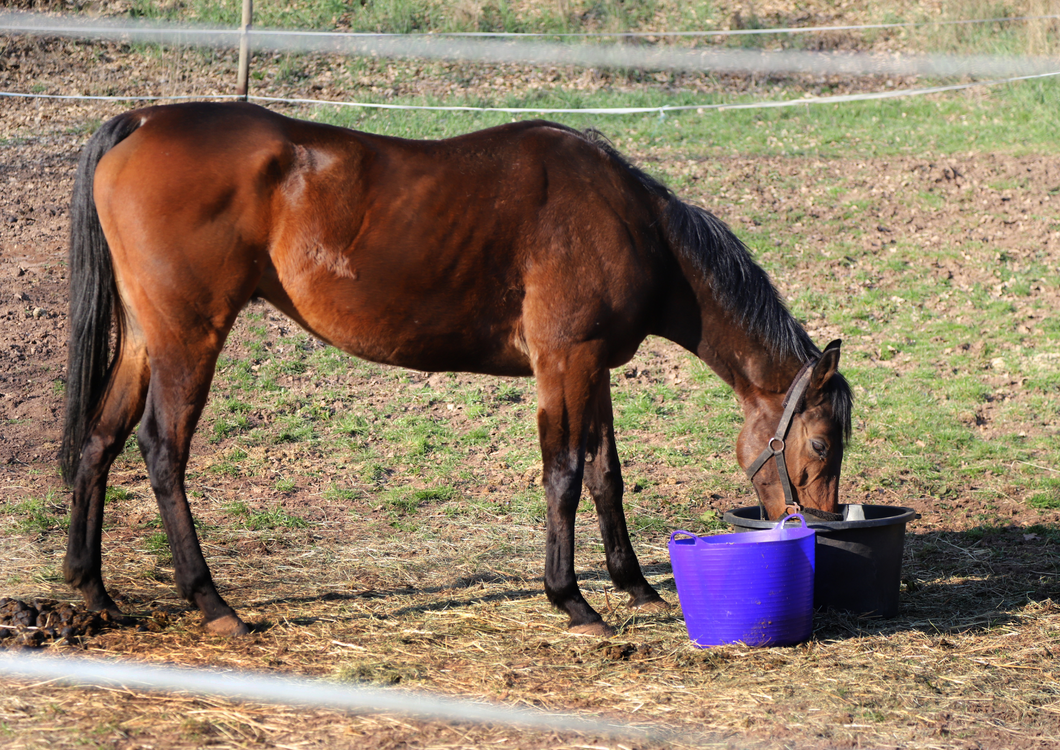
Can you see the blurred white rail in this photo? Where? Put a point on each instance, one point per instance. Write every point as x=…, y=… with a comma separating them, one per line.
x=532, y=52
x=259, y=687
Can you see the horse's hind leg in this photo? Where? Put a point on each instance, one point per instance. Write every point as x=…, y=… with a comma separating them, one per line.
x=181, y=372
x=603, y=478
x=119, y=411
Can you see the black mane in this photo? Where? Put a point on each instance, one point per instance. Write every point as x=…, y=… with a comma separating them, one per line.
x=738, y=283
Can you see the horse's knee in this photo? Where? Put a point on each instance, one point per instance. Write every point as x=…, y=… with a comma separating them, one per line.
x=147, y=438
x=563, y=486
x=607, y=496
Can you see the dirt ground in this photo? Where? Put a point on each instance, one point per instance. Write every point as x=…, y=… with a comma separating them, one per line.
x=1007, y=589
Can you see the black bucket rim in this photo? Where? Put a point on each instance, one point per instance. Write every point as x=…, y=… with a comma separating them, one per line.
x=750, y=517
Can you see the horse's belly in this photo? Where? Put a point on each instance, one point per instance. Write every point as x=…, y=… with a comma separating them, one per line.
x=432, y=333
x=428, y=348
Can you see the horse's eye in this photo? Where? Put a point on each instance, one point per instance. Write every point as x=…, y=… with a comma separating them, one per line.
x=819, y=447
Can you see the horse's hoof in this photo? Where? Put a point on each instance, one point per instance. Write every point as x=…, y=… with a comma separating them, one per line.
x=600, y=629
x=659, y=605
x=227, y=625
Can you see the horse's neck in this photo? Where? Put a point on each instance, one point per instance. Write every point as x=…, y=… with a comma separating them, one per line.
x=745, y=363
x=696, y=321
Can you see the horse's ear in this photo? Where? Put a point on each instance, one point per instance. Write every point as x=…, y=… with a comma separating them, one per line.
x=827, y=365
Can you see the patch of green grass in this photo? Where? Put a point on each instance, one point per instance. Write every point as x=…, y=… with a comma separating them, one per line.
x=477, y=436
x=158, y=545
x=351, y=425
x=405, y=501
x=878, y=128
x=337, y=493
x=238, y=508
x=377, y=473
x=39, y=515
x=117, y=494
x=226, y=469
x=264, y=520
x=289, y=366
x=274, y=518
x=931, y=200
x=225, y=428
x=642, y=523
x=285, y=485
x=1049, y=496
x=235, y=406
x=294, y=430
x=712, y=522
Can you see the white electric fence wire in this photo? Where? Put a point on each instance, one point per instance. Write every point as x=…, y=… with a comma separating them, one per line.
x=260, y=687
x=486, y=50
x=661, y=110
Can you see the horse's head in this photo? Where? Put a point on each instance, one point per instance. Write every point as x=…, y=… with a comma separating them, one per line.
x=793, y=449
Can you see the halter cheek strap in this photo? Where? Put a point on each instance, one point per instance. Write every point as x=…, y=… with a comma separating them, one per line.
x=775, y=447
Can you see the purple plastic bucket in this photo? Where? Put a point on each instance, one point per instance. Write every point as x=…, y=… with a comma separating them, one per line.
x=755, y=587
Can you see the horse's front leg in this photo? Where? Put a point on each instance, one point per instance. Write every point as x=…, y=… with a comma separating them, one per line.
x=567, y=383
x=603, y=478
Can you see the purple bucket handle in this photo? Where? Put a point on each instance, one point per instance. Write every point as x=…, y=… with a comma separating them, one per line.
x=695, y=539
x=785, y=519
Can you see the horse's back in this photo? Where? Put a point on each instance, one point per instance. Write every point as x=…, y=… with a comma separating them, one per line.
x=436, y=255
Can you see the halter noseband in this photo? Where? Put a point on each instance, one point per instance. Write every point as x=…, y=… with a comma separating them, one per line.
x=775, y=447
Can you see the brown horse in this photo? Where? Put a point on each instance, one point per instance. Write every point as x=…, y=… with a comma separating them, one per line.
x=526, y=249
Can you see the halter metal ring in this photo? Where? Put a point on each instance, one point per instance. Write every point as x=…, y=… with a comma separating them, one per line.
x=775, y=439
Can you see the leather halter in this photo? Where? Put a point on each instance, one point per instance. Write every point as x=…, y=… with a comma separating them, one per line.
x=775, y=447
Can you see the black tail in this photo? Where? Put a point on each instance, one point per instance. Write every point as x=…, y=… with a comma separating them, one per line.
x=94, y=299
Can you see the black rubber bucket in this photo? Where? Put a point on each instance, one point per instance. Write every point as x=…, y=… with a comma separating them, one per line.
x=859, y=559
